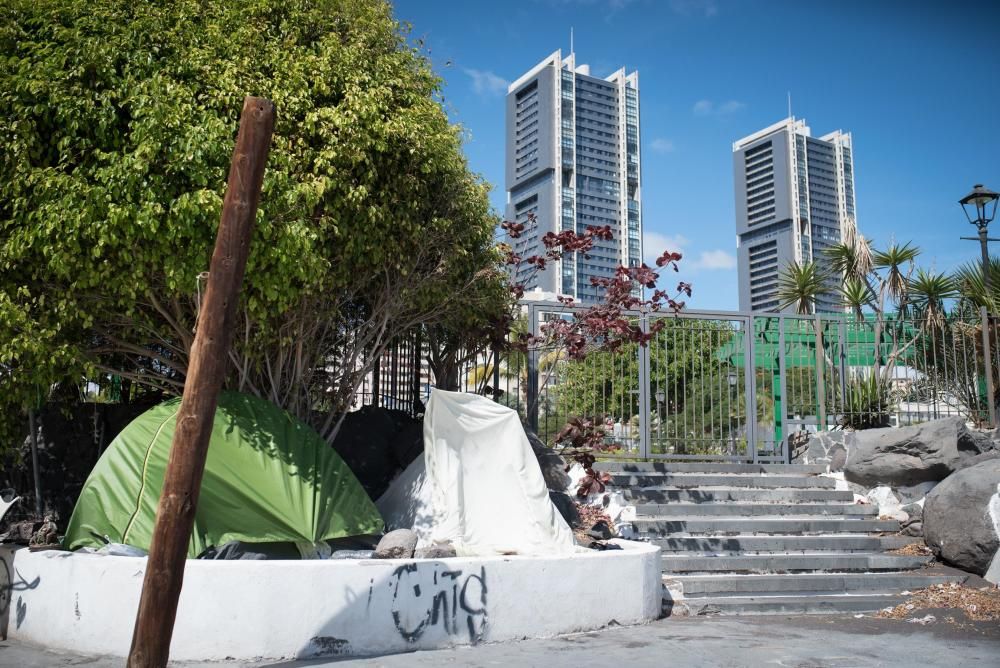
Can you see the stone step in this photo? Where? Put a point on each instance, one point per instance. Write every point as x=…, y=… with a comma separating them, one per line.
x=791, y=605
x=723, y=494
x=675, y=527
x=754, y=509
x=783, y=562
x=694, y=586
x=709, y=467
x=751, y=544
x=699, y=480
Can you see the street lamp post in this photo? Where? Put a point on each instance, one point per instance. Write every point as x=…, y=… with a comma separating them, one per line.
x=980, y=206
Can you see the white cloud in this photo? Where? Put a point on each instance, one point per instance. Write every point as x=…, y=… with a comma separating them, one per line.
x=487, y=83
x=709, y=108
x=654, y=244
x=706, y=8
x=702, y=107
x=661, y=145
x=714, y=260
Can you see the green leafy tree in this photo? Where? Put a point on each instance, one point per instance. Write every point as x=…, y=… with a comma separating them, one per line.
x=118, y=119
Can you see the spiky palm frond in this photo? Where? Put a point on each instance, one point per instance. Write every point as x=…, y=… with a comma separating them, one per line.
x=801, y=284
x=852, y=258
x=855, y=295
x=972, y=290
x=893, y=260
x=929, y=290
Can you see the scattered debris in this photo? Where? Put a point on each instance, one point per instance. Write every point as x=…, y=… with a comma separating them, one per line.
x=913, y=550
x=20, y=533
x=923, y=621
x=47, y=534
x=981, y=604
x=590, y=517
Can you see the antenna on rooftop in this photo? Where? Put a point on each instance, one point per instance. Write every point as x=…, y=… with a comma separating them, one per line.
x=571, y=39
x=790, y=104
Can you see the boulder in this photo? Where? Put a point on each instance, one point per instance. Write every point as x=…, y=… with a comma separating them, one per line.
x=958, y=522
x=601, y=531
x=552, y=464
x=828, y=448
x=439, y=551
x=914, y=513
x=906, y=456
x=566, y=506
x=398, y=544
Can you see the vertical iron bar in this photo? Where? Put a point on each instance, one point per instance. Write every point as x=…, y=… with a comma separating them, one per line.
x=644, y=387
x=532, y=360
x=780, y=435
x=750, y=389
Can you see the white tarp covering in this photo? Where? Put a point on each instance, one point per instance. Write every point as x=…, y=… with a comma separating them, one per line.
x=478, y=485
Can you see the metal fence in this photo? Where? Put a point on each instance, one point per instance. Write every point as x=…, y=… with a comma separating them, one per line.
x=727, y=386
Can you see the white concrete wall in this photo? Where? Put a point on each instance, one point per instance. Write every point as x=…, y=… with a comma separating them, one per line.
x=280, y=609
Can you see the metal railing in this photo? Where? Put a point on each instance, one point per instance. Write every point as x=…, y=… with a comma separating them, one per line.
x=729, y=386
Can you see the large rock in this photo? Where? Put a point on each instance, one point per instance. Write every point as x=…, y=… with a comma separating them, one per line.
x=828, y=448
x=552, y=464
x=958, y=523
x=907, y=456
x=398, y=544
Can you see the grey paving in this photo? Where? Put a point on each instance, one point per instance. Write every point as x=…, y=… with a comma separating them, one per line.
x=802, y=583
x=801, y=641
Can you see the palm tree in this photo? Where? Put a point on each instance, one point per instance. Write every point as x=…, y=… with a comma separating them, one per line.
x=969, y=283
x=800, y=285
x=929, y=291
x=855, y=295
x=893, y=259
x=852, y=259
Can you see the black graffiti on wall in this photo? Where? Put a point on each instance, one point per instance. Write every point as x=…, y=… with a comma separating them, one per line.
x=454, y=601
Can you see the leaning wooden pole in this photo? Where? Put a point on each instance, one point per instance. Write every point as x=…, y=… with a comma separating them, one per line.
x=161, y=588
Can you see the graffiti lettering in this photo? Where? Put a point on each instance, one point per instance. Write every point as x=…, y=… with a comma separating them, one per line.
x=425, y=598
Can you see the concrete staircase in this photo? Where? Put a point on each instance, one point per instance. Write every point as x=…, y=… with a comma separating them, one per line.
x=767, y=539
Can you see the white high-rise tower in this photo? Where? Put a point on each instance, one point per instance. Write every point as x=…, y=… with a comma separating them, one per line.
x=573, y=160
x=794, y=197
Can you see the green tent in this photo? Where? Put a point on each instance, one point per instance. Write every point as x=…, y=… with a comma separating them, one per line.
x=268, y=478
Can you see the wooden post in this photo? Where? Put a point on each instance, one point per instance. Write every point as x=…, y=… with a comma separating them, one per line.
x=175, y=513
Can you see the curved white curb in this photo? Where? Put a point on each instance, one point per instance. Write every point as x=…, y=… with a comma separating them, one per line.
x=282, y=609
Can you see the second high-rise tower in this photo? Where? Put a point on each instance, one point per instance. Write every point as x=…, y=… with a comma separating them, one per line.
x=573, y=160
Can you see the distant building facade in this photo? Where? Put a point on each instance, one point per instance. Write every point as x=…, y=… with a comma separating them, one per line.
x=572, y=160
x=794, y=197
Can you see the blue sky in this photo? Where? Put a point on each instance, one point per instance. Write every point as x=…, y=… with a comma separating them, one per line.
x=916, y=83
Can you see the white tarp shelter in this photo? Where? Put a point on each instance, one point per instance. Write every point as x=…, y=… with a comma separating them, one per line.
x=478, y=485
